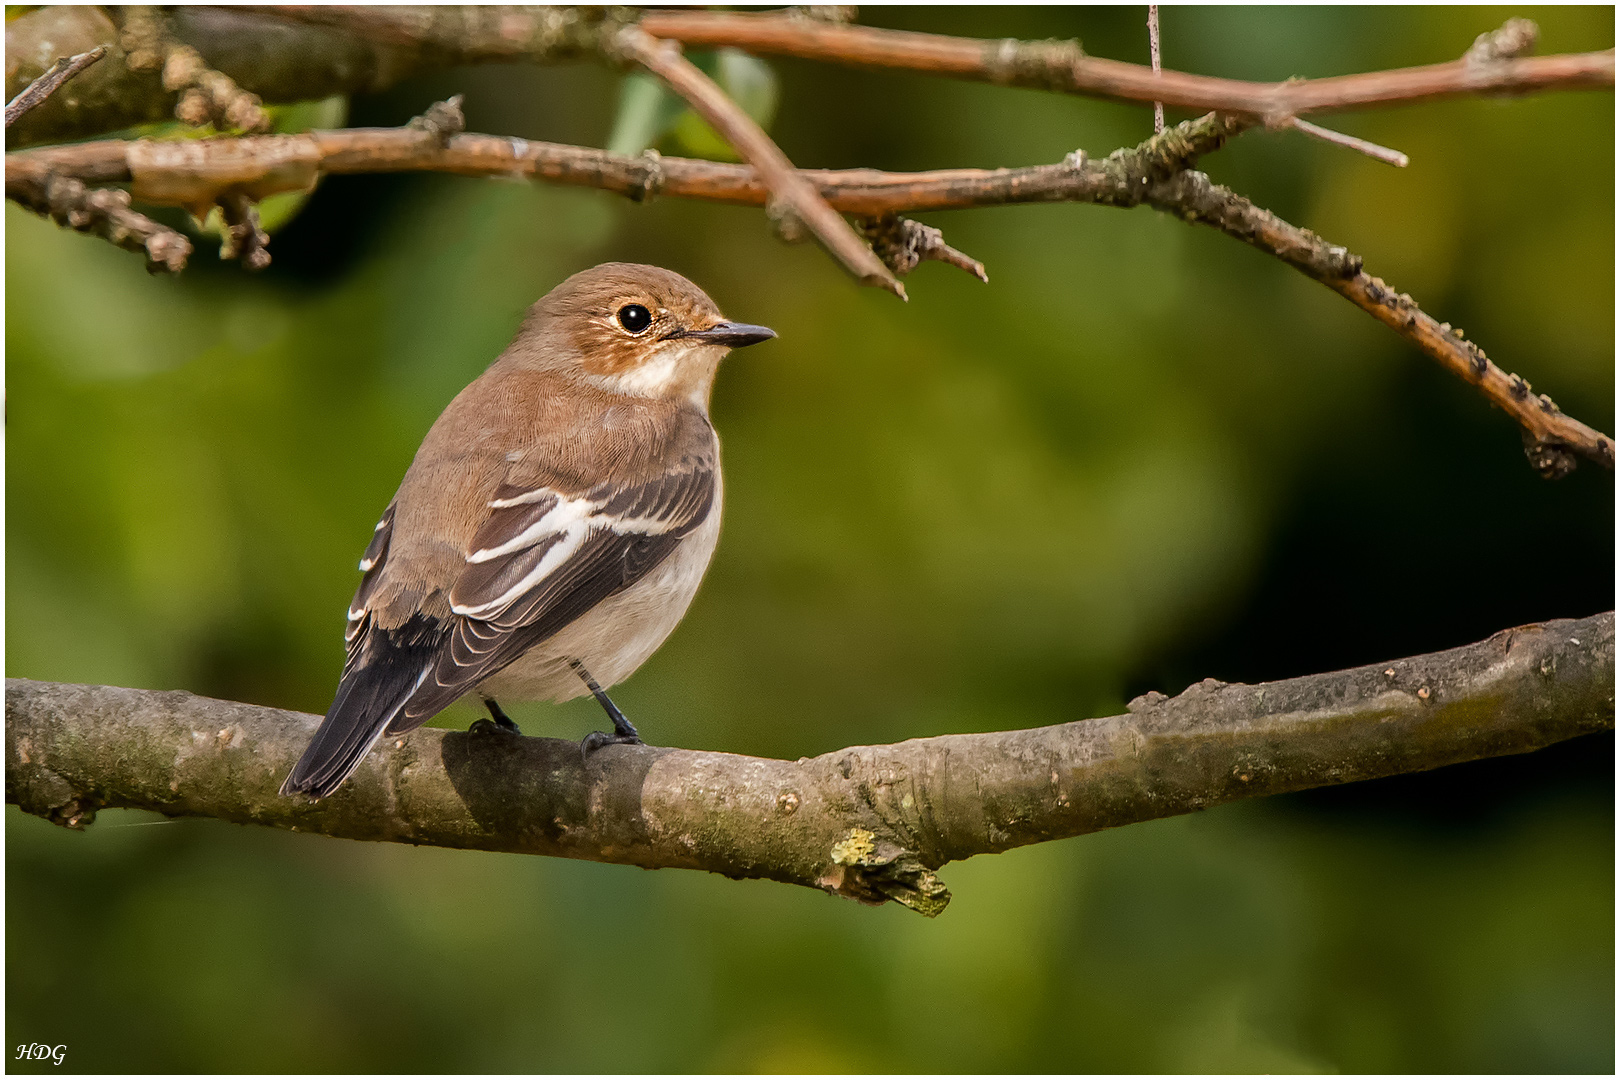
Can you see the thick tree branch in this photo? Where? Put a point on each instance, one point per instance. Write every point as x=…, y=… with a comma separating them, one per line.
x=1063, y=66
x=870, y=822
x=197, y=173
x=274, y=55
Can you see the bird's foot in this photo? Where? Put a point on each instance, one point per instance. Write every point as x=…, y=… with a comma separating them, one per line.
x=593, y=742
x=498, y=718
x=624, y=732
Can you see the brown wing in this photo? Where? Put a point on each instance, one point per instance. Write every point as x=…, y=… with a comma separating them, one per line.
x=541, y=561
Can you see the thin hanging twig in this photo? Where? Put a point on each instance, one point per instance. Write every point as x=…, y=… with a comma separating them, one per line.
x=1153, y=48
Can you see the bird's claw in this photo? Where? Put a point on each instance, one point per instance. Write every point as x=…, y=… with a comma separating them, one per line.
x=593, y=742
x=498, y=716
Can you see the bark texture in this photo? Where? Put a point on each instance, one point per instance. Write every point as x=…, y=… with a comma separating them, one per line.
x=869, y=822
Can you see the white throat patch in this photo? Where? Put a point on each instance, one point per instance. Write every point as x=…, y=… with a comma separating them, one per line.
x=671, y=369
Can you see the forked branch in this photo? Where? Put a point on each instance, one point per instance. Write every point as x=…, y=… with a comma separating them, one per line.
x=197, y=173
x=794, y=202
x=337, y=49
x=869, y=822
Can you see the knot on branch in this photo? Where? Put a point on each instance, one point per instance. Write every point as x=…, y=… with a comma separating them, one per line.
x=1132, y=172
x=1549, y=457
x=208, y=96
x=1514, y=38
x=1046, y=64
x=1179, y=147
x=624, y=45
x=651, y=181
x=105, y=212
x=785, y=220
x=442, y=121
x=902, y=243
x=38, y=789
x=873, y=871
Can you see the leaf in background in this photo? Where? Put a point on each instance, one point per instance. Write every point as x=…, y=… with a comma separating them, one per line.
x=649, y=113
x=749, y=82
x=647, y=110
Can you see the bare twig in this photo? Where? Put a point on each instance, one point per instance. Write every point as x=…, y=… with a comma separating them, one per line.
x=793, y=197
x=197, y=172
x=101, y=212
x=1552, y=439
x=902, y=243
x=1060, y=65
x=48, y=83
x=869, y=822
x=1371, y=149
x=1153, y=50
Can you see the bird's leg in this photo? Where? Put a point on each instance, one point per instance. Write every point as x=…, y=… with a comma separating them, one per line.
x=497, y=718
x=623, y=730
x=502, y=721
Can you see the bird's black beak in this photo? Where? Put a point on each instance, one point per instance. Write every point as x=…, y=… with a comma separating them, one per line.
x=733, y=335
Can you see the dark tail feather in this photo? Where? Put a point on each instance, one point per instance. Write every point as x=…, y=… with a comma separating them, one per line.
x=391, y=668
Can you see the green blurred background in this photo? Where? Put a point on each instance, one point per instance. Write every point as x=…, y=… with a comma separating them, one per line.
x=1142, y=455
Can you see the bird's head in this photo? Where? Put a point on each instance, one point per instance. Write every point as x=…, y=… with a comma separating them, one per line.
x=633, y=329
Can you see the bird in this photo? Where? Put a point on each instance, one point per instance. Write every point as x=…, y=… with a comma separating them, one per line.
x=553, y=527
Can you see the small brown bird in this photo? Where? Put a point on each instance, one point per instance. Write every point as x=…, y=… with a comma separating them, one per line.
x=554, y=525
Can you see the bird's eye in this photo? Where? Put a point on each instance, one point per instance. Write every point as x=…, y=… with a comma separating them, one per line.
x=635, y=318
